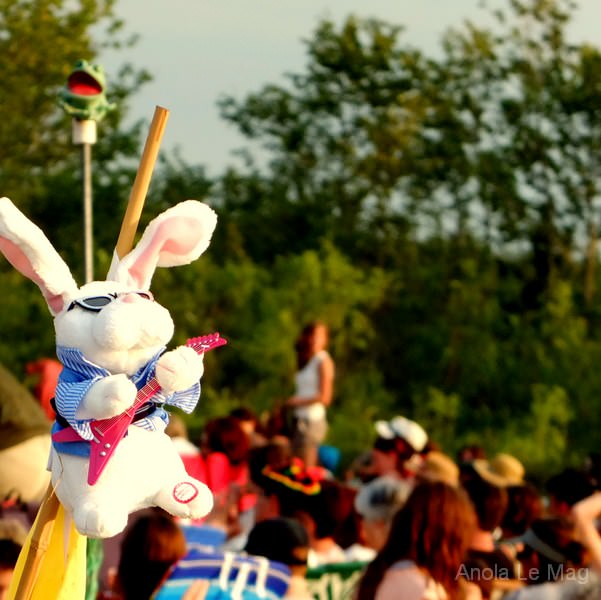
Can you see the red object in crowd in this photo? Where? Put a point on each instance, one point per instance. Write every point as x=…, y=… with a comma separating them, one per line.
x=48, y=370
x=216, y=471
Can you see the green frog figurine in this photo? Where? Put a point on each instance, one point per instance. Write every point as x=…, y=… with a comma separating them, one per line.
x=84, y=95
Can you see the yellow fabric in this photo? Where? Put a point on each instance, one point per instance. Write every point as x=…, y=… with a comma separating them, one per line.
x=62, y=575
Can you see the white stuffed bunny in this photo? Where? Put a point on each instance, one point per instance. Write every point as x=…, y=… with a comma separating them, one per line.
x=110, y=337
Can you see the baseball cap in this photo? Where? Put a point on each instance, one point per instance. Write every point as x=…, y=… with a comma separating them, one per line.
x=401, y=427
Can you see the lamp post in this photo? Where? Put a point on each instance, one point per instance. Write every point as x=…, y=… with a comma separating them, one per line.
x=84, y=134
x=83, y=97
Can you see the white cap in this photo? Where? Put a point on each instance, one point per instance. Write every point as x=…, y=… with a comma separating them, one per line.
x=403, y=428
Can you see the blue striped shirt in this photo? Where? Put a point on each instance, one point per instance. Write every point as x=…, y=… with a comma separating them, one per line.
x=79, y=374
x=231, y=576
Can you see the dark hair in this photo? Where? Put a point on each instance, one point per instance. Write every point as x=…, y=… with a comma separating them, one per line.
x=304, y=343
x=490, y=502
x=557, y=533
x=348, y=520
x=9, y=553
x=150, y=547
x=278, y=422
x=225, y=434
x=470, y=453
x=570, y=486
x=430, y=446
x=397, y=445
x=274, y=455
x=523, y=507
x=243, y=413
x=332, y=510
x=281, y=539
x=433, y=529
x=385, y=444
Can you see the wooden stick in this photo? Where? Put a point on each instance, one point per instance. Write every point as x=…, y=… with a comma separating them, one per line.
x=40, y=541
x=141, y=183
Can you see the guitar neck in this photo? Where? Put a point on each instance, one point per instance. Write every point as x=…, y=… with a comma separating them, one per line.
x=199, y=344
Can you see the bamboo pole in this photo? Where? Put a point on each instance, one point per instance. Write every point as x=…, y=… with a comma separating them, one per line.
x=40, y=541
x=141, y=183
x=48, y=510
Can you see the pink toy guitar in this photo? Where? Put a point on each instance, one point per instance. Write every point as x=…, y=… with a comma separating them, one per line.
x=109, y=432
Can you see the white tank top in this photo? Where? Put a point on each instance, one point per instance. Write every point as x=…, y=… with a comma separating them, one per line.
x=308, y=386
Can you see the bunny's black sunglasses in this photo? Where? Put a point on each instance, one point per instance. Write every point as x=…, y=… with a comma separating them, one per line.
x=97, y=303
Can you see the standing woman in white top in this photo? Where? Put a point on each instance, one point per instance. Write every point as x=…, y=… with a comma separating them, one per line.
x=314, y=381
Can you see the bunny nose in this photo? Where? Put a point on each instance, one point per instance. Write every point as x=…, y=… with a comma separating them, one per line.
x=130, y=297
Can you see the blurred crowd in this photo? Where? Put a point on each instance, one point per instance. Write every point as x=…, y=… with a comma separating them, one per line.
x=403, y=520
x=292, y=518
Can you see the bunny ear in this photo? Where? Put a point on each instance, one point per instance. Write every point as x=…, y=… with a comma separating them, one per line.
x=176, y=237
x=27, y=248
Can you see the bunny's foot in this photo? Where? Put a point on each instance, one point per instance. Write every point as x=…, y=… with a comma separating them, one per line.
x=92, y=521
x=187, y=499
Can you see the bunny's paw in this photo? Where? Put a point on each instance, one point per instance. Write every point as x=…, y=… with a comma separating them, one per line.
x=179, y=369
x=108, y=397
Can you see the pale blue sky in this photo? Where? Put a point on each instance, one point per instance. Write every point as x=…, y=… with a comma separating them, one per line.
x=198, y=50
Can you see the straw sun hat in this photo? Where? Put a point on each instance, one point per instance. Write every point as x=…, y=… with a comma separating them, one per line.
x=437, y=466
x=502, y=470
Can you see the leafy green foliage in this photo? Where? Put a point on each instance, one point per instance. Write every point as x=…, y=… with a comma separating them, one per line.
x=40, y=41
x=470, y=179
x=541, y=437
x=260, y=311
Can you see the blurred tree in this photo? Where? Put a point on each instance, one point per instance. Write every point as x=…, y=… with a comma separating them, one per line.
x=376, y=143
x=40, y=40
x=471, y=178
x=261, y=311
x=531, y=99
x=335, y=143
